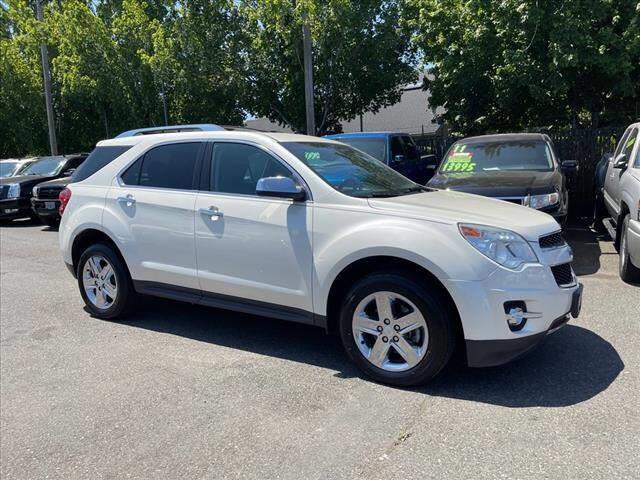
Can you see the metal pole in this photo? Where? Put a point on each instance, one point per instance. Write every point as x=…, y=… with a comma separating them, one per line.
x=46, y=77
x=164, y=105
x=308, y=76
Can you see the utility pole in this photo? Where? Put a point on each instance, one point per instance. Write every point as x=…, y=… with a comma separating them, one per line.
x=308, y=76
x=46, y=77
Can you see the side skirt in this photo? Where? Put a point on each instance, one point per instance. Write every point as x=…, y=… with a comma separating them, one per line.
x=228, y=302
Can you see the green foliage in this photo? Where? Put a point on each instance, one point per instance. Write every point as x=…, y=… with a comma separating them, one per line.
x=515, y=64
x=361, y=59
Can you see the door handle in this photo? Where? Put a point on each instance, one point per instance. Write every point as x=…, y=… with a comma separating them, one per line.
x=214, y=213
x=129, y=200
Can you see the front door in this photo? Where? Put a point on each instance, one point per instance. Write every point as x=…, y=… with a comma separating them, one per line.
x=612, y=181
x=252, y=251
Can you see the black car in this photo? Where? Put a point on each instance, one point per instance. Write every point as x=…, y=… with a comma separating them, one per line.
x=16, y=192
x=519, y=168
x=45, y=202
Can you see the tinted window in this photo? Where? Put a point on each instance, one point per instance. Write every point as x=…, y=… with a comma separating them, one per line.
x=376, y=147
x=396, y=147
x=99, y=158
x=236, y=168
x=169, y=166
x=497, y=156
x=131, y=176
x=351, y=171
x=410, y=147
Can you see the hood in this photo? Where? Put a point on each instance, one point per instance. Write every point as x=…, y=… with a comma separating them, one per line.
x=453, y=207
x=56, y=182
x=499, y=183
x=24, y=180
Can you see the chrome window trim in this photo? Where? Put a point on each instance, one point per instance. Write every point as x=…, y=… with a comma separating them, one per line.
x=274, y=155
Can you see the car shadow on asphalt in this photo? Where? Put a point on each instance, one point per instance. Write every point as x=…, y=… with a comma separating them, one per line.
x=586, y=249
x=569, y=367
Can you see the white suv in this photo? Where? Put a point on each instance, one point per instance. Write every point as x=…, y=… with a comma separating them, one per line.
x=314, y=231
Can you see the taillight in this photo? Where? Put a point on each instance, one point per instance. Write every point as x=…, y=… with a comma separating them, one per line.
x=64, y=197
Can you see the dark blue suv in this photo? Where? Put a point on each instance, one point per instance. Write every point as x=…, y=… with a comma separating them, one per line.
x=398, y=150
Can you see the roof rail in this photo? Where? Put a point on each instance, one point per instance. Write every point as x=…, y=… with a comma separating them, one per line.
x=201, y=127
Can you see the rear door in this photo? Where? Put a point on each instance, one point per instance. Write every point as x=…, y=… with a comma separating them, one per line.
x=150, y=210
x=612, y=190
x=253, y=251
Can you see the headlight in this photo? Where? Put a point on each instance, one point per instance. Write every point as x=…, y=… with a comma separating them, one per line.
x=504, y=247
x=14, y=190
x=546, y=200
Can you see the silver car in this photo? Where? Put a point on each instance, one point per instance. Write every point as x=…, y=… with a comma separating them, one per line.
x=622, y=202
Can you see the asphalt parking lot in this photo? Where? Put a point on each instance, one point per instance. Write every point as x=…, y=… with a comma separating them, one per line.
x=183, y=391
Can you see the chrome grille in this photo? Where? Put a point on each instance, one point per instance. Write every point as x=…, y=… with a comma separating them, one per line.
x=553, y=240
x=563, y=275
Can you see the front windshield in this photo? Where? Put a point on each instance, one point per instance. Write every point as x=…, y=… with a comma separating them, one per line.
x=7, y=168
x=46, y=166
x=376, y=147
x=498, y=156
x=352, y=171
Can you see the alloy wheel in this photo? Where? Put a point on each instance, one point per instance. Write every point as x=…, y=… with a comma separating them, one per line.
x=390, y=331
x=99, y=282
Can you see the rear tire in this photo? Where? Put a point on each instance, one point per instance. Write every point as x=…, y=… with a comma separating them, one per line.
x=104, y=282
x=50, y=222
x=628, y=271
x=413, y=322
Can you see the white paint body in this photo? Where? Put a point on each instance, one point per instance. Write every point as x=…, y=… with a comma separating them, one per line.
x=289, y=253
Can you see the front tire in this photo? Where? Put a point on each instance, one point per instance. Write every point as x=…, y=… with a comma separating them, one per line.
x=104, y=282
x=628, y=271
x=396, y=330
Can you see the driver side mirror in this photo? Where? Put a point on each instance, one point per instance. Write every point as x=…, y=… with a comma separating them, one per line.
x=68, y=172
x=620, y=161
x=570, y=168
x=280, y=187
x=398, y=159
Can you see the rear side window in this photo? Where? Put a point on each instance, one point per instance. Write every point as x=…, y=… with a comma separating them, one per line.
x=166, y=166
x=99, y=158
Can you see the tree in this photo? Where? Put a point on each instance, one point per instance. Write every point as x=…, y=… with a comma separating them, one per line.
x=520, y=63
x=361, y=59
x=22, y=115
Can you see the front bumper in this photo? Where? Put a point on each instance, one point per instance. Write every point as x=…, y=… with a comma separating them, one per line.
x=41, y=207
x=12, y=208
x=490, y=353
x=481, y=306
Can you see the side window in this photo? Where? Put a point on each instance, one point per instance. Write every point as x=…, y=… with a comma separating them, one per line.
x=411, y=148
x=621, y=143
x=236, y=168
x=629, y=143
x=396, y=147
x=99, y=158
x=166, y=166
x=131, y=176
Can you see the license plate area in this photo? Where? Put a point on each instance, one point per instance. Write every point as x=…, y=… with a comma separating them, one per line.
x=50, y=205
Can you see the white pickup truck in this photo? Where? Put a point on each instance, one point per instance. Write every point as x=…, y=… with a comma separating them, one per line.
x=622, y=202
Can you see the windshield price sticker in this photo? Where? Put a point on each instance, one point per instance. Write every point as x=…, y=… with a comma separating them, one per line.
x=459, y=160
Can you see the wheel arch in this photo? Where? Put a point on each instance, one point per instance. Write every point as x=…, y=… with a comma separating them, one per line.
x=378, y=263
x=88, y=237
